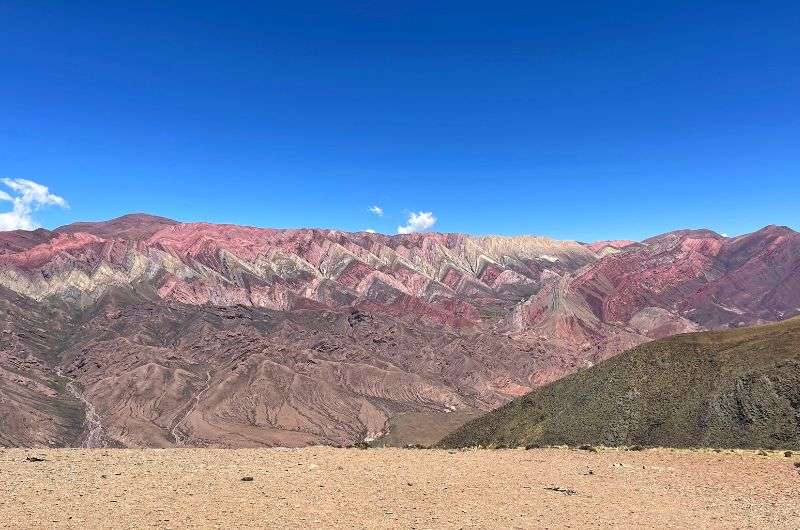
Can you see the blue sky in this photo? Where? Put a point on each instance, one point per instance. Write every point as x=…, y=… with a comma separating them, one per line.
x=582, y=120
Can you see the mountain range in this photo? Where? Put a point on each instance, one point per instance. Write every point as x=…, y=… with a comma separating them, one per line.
x=143, y=331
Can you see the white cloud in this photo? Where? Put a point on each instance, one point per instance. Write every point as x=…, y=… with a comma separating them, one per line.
x=377, y=210
x=26, y=198
x=723, y=234
x=417, y=222
x=369, y=231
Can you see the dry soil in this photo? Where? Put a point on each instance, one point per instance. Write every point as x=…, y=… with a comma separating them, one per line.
x=397, y=488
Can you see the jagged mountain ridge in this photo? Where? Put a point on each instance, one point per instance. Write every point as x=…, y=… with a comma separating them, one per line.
x=200, y=263
x=143, y=317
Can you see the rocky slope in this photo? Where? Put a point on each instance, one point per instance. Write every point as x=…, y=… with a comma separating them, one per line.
x=147, y=332
x=738, y=388
x=446, y=278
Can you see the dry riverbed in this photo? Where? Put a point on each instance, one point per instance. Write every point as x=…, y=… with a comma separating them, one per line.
x=396, y=488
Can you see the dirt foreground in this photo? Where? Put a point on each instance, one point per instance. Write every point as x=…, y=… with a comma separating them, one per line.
x=397, y=488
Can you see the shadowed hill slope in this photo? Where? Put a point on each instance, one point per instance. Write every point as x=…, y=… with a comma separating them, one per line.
x=737, y=388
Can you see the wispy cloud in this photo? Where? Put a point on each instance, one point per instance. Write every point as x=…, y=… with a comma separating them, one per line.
x=26, y=197
x=417, y=222
x=369, y=231
x=377, y=210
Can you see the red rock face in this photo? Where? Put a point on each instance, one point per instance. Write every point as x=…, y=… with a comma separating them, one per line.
x=146, y=332
x=442, y=277
x=701, y=276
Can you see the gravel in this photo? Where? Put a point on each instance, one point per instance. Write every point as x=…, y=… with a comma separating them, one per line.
x=396, y=488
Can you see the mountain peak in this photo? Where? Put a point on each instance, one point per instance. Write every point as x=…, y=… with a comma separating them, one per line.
x=129, y=226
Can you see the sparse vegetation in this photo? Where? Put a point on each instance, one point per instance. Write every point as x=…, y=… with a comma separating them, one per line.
x=726, y=389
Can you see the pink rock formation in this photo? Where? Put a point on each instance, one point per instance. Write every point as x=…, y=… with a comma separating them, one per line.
x=146, y=332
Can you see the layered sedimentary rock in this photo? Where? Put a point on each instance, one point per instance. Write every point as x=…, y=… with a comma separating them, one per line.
x=143, y=331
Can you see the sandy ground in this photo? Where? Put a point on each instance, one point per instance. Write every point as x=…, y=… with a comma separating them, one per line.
x=396, y=488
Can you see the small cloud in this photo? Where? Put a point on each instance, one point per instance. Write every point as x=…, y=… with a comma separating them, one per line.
x=417, y=222
x=723, y=234
x=377, y=210
x=369, y=231
x=26, y=198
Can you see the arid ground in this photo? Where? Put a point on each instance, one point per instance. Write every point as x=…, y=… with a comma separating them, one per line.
x=397, y=488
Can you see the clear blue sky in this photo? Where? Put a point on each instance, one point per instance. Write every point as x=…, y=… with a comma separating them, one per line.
x=582, y=120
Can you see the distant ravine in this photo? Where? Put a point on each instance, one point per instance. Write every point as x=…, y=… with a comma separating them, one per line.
x=93, y=426
x=179, y=439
